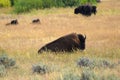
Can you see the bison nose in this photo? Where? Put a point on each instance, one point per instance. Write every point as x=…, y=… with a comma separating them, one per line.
x=82, y=47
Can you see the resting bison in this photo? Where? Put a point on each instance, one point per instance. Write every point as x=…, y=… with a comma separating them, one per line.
x=13, y=22
x=66, y=43
x=36, y=21
x=85, y=10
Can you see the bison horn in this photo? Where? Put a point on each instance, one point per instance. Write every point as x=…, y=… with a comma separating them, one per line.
x=85, y=37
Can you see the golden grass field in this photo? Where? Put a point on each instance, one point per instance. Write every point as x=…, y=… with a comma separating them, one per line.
x=22, y=41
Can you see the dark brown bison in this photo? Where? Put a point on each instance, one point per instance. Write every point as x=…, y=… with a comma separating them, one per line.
x=13, y=22
x=66, y=43
x=79, y=9
x=36, y=21
x=85, y=10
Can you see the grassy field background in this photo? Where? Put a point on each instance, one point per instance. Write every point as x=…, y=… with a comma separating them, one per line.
x=22, y=41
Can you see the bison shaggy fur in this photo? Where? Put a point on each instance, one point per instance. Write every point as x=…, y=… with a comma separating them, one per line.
x=66, y=43
x=85, y=10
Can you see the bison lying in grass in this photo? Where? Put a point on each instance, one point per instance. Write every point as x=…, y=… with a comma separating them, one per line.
x=36, y=21
x=66, y=43
x=13, y=22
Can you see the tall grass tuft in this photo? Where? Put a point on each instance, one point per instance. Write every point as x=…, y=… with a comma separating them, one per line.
x=12, y=2
x=5, y=3
x=93, y=2
x=27, y=5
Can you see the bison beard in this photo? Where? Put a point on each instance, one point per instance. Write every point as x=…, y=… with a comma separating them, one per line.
x=66, y=43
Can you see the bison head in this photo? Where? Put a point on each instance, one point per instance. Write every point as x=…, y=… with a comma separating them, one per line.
x=94, y=9
x=82, y=40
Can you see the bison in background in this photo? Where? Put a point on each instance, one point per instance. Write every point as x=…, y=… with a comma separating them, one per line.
x=66, y=43
x=36, y=21
x=85, y=10
x=13, y=22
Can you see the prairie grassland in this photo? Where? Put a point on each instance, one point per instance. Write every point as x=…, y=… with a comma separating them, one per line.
x=23, y=41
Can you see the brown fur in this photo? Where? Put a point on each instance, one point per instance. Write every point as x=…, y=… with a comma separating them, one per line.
x=86, y=10
x=67, y=43
x=36, y=21
x=13, y=22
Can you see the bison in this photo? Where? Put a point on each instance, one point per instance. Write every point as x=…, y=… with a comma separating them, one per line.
x=85, y=10
x=13, y=22
x=36, y=21
x=66, y=43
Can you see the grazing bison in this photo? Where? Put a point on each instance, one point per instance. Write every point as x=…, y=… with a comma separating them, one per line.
x=66, y=43
x=13, y=22
x=85, y=10
x=36, y=21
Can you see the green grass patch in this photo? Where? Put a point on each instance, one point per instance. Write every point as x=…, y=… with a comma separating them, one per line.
x=28, y=5
x=5, y=3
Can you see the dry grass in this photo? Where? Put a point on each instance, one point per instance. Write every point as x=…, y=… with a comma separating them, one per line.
x=22, y=41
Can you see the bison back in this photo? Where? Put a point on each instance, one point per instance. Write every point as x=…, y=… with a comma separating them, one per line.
x=66, y=43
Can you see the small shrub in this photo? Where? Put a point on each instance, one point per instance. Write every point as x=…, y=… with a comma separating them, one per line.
x=85, y=62
x=39, y=68
x=104, y=63
x=90, y=75
x=6, y=61
x=91, y=63
x=11, y=62
x=2, y=70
